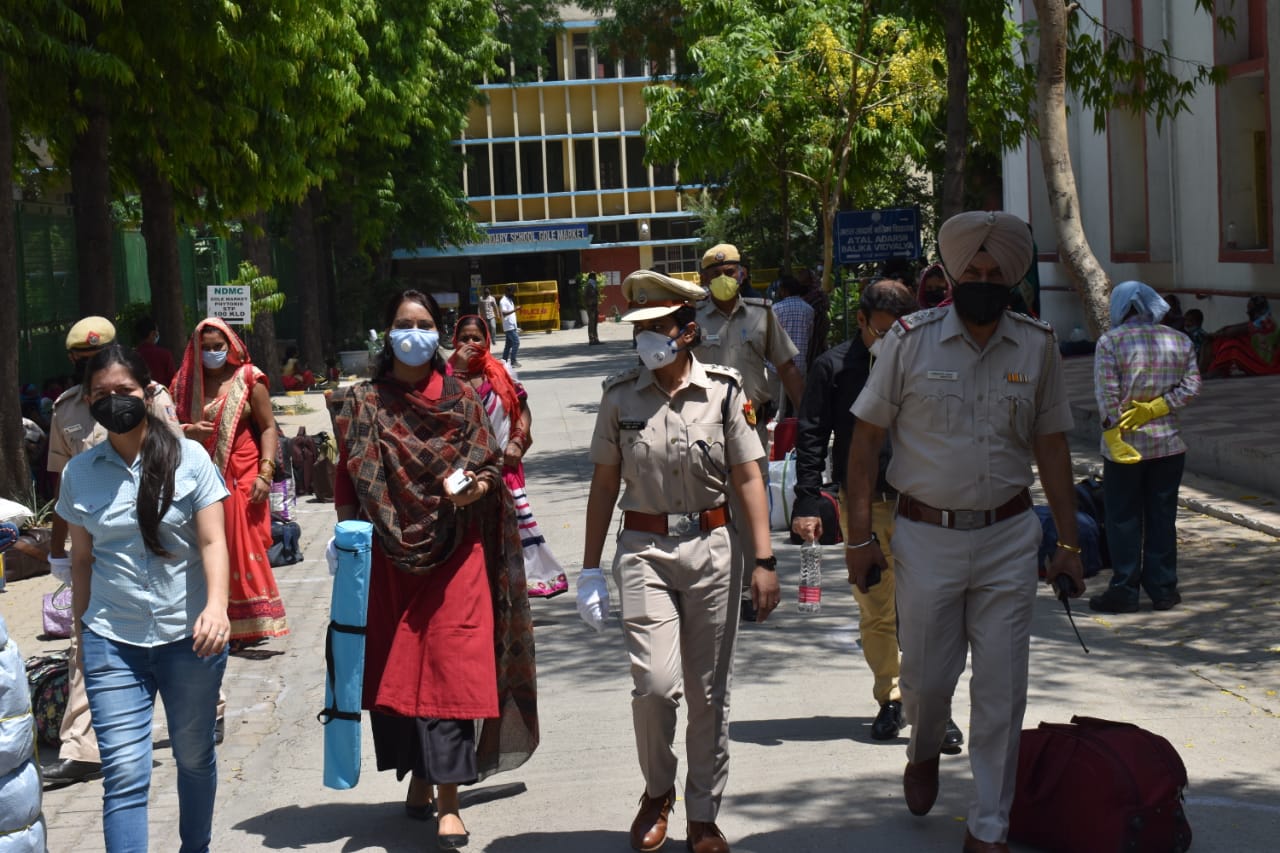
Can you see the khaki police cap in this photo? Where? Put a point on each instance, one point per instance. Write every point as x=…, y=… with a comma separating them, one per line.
x=651, y=294
x=91, y=333
x=724, y=253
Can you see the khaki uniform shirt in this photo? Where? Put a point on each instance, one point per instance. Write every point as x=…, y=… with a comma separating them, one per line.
x=962, y=419
x=676, y=451
x=73, y=430
x=745, y=339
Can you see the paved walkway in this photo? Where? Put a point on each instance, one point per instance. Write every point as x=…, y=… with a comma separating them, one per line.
x=805, y=775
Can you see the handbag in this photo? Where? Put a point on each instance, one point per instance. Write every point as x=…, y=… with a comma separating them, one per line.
x=55, y=610
x=49, y=679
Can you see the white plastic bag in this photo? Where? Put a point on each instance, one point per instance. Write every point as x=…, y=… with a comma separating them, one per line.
x=782, y=491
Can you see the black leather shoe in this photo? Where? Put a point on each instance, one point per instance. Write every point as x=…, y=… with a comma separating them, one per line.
x=219, y=730
x=1167, y=603
x=953, y=739
x=67, y=772
x=1113, y=601
x=888, y=722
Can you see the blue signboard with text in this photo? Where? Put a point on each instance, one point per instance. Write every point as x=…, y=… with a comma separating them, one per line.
x=871, y=236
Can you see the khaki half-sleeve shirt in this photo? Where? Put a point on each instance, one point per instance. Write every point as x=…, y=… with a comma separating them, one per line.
x=745, y=339
x=675, y=451
x=963, y=419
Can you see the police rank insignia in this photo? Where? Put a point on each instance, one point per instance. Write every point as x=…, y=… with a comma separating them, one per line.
x=749, y=412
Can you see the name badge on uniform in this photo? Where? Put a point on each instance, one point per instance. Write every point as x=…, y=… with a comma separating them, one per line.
x=711, y=339
x=72, y=429
x=631, y=424
x=949, y=375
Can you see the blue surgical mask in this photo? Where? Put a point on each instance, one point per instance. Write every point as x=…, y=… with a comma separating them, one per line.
x=213, y=359
x=414, y=347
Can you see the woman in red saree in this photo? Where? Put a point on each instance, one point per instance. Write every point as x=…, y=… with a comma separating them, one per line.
x=449, y=672
x=223, y=403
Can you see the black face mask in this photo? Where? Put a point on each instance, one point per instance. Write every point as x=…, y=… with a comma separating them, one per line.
x=980, y=302
x=933, y=297
x=119, y=413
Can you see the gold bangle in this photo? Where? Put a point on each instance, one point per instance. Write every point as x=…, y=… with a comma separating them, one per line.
x=1074, y=549
x=264, y=479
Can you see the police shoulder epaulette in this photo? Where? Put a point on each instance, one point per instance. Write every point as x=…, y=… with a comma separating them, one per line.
x=1029, y=320
x=918, y=319
x=616, y=378
x=757, y=300
x=69, y=394
x=724, y=370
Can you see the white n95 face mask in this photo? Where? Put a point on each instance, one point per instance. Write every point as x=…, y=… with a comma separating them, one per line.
x=656, y=349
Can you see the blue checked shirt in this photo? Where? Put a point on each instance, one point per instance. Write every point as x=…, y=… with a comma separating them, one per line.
x=795, y=316
x=1142, y=361
x=137, y=597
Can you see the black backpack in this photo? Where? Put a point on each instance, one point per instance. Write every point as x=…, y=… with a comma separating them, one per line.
x=286, y=548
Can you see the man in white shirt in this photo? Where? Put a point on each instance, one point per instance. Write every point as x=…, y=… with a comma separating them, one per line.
x=507, y=308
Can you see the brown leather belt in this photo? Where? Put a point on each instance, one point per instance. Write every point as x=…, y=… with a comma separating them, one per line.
x=676, y=524
x=963, y=519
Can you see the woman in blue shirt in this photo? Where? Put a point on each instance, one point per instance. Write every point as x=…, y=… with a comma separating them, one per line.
x=149, y=562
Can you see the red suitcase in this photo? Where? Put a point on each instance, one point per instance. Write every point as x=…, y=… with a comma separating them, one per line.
x=1096, y=786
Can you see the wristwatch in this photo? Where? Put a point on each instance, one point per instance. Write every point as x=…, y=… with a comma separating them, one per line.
x=769, y=563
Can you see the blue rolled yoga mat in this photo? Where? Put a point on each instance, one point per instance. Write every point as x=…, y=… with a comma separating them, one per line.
x=344, y=654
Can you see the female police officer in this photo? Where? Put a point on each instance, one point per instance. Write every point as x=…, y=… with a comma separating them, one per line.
x=675, y=430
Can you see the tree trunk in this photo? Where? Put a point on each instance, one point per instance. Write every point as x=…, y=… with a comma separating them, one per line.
x=256, y=247
x=15, y=474
x=91, y=191
x=302, y=234
x=1088, y=276
x=164, y=270
x=956, y=27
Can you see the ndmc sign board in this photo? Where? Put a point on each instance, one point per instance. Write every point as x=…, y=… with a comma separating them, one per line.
x=230, y=302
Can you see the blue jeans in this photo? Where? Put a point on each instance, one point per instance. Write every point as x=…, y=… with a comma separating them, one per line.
x=121, y=681
x=513, y=346
x=1142, y=510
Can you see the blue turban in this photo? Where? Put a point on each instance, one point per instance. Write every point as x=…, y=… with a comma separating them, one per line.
x=1150, y=305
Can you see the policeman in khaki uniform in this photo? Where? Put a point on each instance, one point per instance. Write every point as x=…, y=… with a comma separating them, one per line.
x=73, y=430
x=743, y=333
x=970, y=394
x=675, y=430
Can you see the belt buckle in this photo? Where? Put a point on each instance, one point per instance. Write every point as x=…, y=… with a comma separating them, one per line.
x=964, y=519
x=681, y=524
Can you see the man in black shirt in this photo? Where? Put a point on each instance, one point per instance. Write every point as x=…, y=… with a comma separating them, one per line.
x=834, y=382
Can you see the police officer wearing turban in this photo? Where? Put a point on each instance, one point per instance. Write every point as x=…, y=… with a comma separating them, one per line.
x=969, y=394
x=675, y=431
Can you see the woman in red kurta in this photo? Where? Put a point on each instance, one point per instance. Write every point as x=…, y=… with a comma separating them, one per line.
x=449, y=675
x=223, y=403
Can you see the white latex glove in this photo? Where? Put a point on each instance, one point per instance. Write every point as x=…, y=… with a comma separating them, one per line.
x=331, y=554
x=60, y=568
x=593, y=598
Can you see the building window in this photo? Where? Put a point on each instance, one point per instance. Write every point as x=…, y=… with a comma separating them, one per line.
x=504, y=168
x=637, y=174
x=555, y=167
x=584, y=164
x=581, y=57
x=673, y=259
x=1244, y=134
x=610, y=164
x=478, y=171
x=633, y=66
x=531, y=167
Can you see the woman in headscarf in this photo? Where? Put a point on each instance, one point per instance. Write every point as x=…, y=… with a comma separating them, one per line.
x=223, y=403
x=1252, y=348
x=933, y=288
x=505, y=402
x=449, y=671
x=1144, y=373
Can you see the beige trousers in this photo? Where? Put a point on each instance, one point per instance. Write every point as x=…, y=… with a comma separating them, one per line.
x=968, y=591
x=679, y=599
x=877, y=615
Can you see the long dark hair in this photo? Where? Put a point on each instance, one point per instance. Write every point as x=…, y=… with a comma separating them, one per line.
x=386, y=358
x=161, y=451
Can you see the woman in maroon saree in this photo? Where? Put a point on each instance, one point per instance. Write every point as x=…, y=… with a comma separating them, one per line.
x=449, y=671
x=223, y=403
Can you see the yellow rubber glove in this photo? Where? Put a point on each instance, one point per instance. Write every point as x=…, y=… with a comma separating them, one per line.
x=1139, y=413
x=1121, y=450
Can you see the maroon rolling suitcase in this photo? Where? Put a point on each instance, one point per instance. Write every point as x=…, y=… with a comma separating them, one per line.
x=1096, y=786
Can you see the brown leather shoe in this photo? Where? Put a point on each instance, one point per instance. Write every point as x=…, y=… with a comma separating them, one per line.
x=973, y=845
x=649, y=829
x=706, y=837
x=920, y=785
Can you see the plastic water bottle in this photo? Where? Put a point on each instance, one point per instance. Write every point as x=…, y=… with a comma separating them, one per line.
x=810, y=577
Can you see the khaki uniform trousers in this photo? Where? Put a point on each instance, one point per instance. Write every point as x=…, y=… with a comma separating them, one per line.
x=958, y=591
x=79, y=743
x=877, y=614
x=679, y=599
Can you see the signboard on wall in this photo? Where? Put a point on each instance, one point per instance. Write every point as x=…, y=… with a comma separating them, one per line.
x=871, y=236
x=230, y=302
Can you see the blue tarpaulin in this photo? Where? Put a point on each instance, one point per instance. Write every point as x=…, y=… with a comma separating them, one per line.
x=344, y=654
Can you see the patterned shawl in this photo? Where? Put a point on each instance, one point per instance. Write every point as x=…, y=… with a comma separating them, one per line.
x=400, y=446
x=188, y=389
